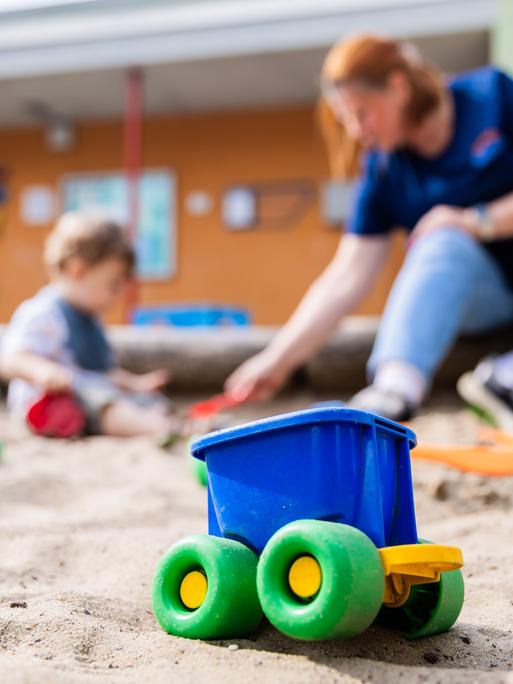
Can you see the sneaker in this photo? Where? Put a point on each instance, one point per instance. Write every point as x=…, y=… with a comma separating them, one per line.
x=482, y=390
x=384, y=403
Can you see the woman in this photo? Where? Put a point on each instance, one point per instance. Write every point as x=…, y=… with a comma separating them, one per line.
x=438, y=163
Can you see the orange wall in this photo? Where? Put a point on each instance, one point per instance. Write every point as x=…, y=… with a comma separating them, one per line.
x=264, y=270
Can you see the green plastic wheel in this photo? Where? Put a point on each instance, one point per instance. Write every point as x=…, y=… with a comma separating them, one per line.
x=199, y=468
x=430, y=609
x=320, y=580
x=205, y=588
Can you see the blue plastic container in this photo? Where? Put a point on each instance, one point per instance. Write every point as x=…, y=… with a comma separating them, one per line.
x=187, y=316
x=332, y=463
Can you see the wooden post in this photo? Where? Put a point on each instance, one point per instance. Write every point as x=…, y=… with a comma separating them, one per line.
x=133, y=164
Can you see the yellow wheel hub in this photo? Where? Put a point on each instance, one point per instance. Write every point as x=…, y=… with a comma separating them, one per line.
x=193, y=589
x=305, y=576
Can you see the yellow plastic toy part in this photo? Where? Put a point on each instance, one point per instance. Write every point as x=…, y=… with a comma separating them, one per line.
x=193, y=589
x=305, y=576
x=411, y=564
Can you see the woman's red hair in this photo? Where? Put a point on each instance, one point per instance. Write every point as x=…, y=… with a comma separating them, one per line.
x=369, y=61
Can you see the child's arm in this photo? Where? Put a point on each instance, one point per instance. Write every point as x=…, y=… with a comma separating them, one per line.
x=33, y=344
x=47, y=375
x=144, y=382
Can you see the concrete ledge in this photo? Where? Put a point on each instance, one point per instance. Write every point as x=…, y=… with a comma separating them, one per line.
x=340, y=365
x=201, y=359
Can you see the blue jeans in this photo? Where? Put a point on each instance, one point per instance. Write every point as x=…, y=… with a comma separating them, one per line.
x=448, y=284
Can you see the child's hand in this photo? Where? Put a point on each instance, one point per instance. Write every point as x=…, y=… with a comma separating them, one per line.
x=151, y=382
x=53, y=378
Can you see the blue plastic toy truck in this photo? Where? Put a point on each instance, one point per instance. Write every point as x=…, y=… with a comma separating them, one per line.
x=312, y=523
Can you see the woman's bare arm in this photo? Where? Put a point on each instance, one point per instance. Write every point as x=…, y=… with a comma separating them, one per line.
x=468, y=219
x=46, y=374
x=334, y=294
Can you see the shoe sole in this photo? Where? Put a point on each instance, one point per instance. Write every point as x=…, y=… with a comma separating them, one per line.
x=476, y=394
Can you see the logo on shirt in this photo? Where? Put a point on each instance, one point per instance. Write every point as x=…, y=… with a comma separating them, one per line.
x=484, y=141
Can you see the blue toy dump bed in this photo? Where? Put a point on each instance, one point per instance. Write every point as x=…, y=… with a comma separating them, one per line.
x=334, y=464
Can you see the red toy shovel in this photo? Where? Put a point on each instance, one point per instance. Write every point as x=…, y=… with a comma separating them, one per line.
x=213, y=406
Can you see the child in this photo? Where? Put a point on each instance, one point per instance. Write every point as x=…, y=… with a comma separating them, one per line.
x=55, y=341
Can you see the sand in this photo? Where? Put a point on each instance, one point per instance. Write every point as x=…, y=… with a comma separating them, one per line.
x=83, y=524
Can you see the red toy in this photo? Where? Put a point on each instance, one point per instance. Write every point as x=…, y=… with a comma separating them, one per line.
x=56, y=415
x=213, y=406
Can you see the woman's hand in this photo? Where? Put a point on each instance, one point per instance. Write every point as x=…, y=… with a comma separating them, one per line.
x=340, y=287
x=259, y=378
x=445, y=216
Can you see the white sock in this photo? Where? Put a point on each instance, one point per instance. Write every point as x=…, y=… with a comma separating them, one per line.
x=402, y=378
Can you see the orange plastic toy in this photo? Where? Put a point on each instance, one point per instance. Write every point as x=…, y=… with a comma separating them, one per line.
x=493, y=455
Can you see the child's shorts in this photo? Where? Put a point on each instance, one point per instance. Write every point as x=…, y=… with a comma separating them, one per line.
x=97, y=393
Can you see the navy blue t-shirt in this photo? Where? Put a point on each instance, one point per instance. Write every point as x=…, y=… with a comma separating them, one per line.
x=86, y=342
x=397, y=189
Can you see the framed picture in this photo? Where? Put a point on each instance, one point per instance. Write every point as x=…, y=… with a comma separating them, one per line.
x=337, y=198
x=272, y=204
x=156, y=231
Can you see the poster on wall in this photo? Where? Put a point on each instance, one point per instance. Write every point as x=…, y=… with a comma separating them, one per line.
x=37, y=203
x=156, y=231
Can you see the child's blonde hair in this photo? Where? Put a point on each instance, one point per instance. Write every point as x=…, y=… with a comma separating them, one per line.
x=89, y=236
